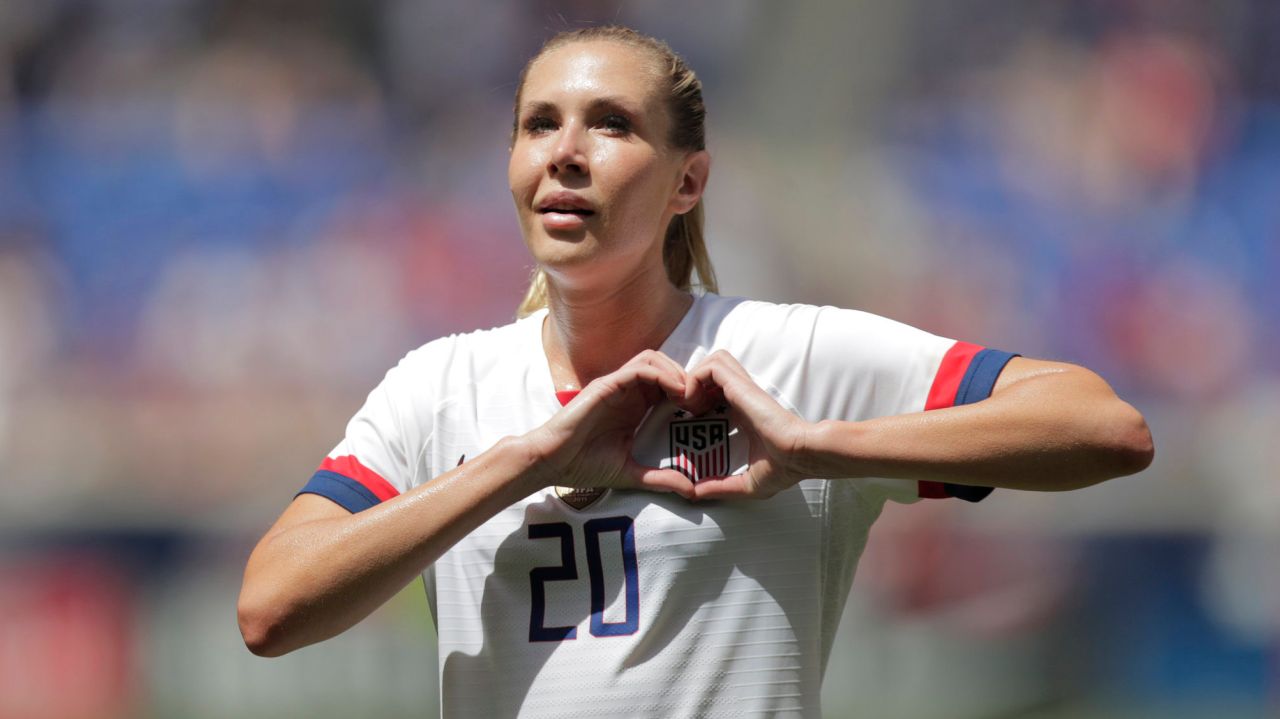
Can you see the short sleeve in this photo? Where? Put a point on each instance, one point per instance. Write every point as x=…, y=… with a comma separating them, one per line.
x=966, y=374
x=863, y=366
x=376, y=458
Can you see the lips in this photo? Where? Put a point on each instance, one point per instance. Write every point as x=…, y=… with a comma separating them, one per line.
x=565, y=203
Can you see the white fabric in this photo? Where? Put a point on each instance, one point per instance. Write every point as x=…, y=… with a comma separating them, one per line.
x=738, y=602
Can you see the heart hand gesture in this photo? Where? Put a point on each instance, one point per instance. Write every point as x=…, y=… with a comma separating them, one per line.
x=588, y=443
x=776, y=436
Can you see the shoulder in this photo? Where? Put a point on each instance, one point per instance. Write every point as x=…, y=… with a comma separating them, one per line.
x=726, y=319
x=451, y=364
x=827, y=362
x=445, y=369
x=748, y=326
x=477, y=351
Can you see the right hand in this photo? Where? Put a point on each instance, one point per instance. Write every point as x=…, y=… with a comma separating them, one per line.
x=588, y=443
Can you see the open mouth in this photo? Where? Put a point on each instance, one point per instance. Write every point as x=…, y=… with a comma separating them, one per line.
x=567, y=211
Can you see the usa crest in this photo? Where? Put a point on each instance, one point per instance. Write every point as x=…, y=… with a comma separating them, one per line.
x=700, y=447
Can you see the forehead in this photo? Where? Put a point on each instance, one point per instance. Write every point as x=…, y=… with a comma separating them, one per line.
x=587, y=69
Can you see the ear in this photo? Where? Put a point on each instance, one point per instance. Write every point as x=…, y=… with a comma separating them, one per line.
x=693, y=180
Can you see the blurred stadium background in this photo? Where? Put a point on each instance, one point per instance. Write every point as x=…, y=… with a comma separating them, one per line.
x=222, y=220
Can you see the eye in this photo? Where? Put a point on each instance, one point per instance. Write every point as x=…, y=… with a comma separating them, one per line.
x=616, y=124
x=538, y=124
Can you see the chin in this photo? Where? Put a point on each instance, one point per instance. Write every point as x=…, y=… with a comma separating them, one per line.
x=570, y=267
x=563, y=248
x=581, y=267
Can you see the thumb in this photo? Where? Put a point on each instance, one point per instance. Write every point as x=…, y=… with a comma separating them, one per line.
x=655, y=479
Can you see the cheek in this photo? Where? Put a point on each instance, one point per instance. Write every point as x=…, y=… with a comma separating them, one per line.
x=640, y=185
x=515, y=179
x=523, y=171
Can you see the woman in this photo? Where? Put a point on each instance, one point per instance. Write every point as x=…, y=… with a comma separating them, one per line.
x=550, y=479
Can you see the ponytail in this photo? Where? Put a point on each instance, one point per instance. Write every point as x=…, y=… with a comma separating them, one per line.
x=536, y=296
x=685, y=251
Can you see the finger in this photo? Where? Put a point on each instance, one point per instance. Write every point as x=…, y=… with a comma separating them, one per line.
x=706, y=383
x=677, y=372
x=651, y=382
x=700, y=396
x=655, y=479
x=659, y=359
x=727, y=487
x=719, y=369
x=727, y=359
x=722, y=372
x=669, y=378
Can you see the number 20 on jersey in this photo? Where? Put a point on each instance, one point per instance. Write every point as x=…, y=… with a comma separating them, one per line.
x=593, y=531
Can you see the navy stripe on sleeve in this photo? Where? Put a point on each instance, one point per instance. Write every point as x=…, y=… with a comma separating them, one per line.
x=967, y=492
x=347, y=492
x=979, y=379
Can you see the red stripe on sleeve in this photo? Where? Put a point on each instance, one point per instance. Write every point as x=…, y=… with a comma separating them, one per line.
x=931, y=490
x=943, y=394
x=348, y=466
x=947, y=381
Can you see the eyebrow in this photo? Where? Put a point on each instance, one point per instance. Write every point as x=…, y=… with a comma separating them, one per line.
x=537, y=108
x=543, y=107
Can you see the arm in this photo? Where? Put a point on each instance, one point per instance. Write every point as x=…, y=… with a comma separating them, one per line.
x=320, y=569
x=1046, y=426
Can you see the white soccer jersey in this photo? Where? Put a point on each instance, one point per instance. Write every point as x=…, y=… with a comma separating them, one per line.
x=636, y=603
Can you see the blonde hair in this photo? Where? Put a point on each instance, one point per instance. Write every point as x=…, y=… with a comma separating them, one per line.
x=684, y=249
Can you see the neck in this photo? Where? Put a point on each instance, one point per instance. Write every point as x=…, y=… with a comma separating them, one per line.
x=589, y=335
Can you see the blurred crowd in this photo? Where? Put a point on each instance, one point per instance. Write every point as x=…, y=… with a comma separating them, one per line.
x=222, y=220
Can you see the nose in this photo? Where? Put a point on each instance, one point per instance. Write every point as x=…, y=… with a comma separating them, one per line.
x=569, y=155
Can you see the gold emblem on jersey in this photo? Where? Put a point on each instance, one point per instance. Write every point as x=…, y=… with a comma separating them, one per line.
x=580, y=497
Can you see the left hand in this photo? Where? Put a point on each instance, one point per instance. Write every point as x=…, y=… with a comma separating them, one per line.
x=776, y=436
